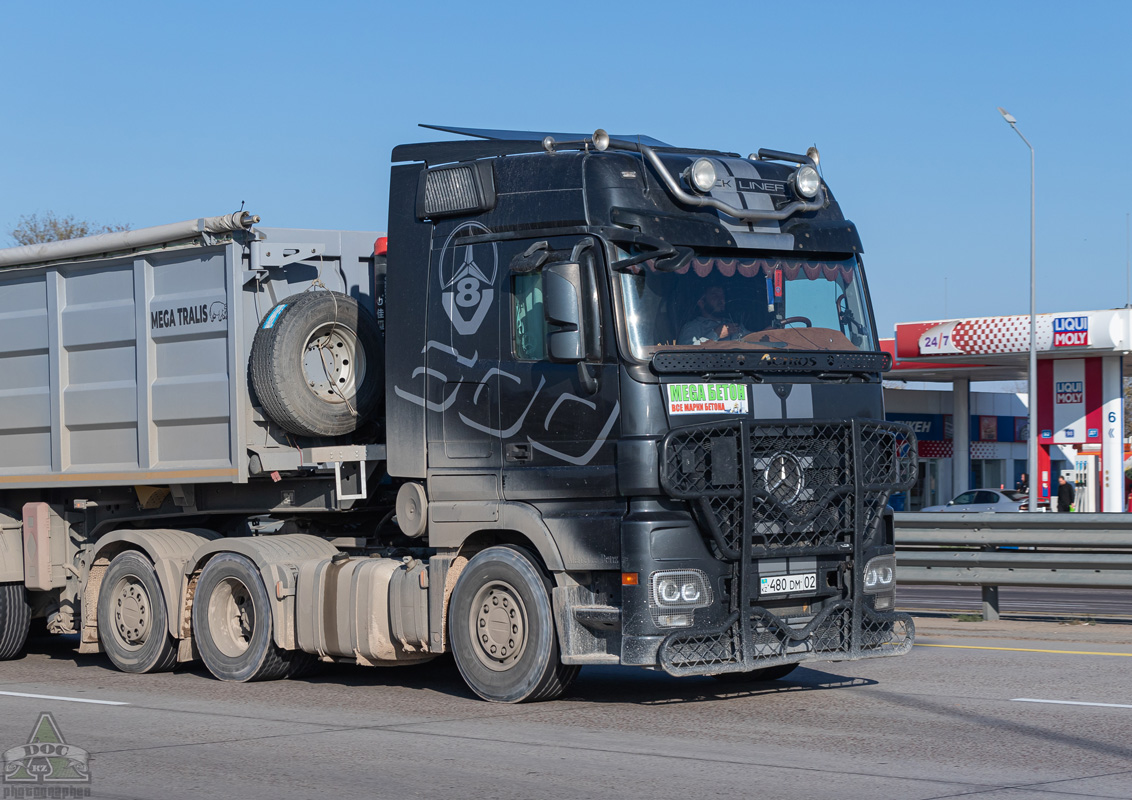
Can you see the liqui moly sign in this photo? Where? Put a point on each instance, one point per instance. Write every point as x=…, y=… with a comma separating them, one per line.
x=1069, y=392
x=1070, y=332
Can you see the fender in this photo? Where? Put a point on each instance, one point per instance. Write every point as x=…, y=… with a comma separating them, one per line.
x=168, y=549
x=11, y=548
x=522, y=518
x=278, y=559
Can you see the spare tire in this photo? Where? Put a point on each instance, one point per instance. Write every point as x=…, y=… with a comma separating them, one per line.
x=317, y=365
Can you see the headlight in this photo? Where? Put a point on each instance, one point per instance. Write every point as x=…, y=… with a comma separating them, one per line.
x=680, y=589
x=807, y=182
x=880, y=575
x=674, y=594
x=702, y=175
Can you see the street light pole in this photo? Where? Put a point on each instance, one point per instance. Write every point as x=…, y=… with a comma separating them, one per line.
x=1032, y=440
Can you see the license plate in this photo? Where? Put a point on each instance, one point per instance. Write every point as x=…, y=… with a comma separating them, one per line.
x=786, y=584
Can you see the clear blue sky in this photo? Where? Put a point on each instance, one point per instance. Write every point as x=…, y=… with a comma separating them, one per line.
x=149, y=113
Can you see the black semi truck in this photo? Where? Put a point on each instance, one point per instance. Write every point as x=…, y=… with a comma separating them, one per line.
x=591, y=400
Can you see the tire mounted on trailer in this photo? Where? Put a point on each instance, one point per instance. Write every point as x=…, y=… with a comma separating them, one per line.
x=133, y=623
x=501, y=627
x=15, y=620
x=317, y=365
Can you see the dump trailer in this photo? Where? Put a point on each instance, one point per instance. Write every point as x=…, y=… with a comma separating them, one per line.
x=590, y=400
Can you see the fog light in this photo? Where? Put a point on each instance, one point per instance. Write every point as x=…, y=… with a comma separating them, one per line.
x=883, y=602
x=807, y=182
x=880, y=575
x=674, y=620
x=702, y=175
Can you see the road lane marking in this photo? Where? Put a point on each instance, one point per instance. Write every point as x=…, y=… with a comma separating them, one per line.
x=1026, y=650
x=67, y=699
x=1069, y=703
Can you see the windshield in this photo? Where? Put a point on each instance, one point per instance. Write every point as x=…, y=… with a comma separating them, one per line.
x=729, y=302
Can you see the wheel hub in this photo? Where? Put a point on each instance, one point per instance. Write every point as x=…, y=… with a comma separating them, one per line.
x=333, y=363
x=499, y=626
x=132, y=614
x=231, y=617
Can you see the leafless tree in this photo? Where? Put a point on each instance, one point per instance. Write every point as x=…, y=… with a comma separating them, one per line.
x=49, y=227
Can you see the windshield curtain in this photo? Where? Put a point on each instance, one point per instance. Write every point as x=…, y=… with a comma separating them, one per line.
x=763, y=303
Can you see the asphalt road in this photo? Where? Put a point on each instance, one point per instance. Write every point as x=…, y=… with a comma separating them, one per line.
x=1021, y=601
x=953, y=718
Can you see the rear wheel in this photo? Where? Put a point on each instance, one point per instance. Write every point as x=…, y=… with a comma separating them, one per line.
x=232, y=623
x=502, y=629
x=133, y=624
x=15, y=619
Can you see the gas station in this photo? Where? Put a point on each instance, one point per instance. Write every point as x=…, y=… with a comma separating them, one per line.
x=1080, y=408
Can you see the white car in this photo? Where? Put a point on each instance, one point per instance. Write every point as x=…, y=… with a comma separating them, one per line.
x=979, y=500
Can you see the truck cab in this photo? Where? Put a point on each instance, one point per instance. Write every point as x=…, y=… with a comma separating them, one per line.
x=655, y=370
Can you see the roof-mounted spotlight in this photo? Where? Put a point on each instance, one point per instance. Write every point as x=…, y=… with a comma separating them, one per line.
x=701, y=175
x=807, y=182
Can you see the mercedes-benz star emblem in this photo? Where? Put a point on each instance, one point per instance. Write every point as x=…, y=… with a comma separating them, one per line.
x=784, y=478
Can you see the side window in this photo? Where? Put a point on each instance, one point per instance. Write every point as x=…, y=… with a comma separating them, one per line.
x=987, y=497
x=529, y=322
x=965, y=499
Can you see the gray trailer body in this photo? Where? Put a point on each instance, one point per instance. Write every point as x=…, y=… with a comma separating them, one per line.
x=131, y=368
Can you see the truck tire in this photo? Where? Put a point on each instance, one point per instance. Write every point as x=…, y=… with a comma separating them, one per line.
x=757, y=675
x=317, y=365
x=232, y=624
x=501, y=626
x=133, y=623
x=15, y=620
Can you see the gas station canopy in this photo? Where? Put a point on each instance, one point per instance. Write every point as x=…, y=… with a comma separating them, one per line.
x=1078, y=385
x=997, y=348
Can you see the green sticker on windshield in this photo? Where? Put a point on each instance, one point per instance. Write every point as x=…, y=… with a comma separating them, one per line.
x=706, y=398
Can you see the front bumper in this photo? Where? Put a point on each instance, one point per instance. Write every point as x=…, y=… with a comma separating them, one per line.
x=733, y=475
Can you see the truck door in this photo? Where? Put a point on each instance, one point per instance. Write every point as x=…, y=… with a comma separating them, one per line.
x=461, y=357
x=558, y=418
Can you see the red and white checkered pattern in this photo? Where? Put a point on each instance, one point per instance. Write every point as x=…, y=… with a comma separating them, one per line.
x=989, y=335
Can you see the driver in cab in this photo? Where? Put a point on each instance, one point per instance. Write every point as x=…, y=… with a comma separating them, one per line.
x=713, y=324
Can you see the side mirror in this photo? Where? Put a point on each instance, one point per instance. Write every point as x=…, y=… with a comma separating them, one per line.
x=951, y=502
x=562, y=304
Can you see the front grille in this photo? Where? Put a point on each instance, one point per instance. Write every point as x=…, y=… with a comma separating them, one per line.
x=740, y=477
x=777, y=491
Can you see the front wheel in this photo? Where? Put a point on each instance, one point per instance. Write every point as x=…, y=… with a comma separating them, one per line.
x=502, y=629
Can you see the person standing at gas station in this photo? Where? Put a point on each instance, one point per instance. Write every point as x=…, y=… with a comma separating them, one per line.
x=1065, y=495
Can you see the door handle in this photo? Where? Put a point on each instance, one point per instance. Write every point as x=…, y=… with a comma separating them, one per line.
x=518, y=452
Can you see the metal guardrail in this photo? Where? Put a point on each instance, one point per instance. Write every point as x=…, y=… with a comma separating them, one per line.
x=1006, y=549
